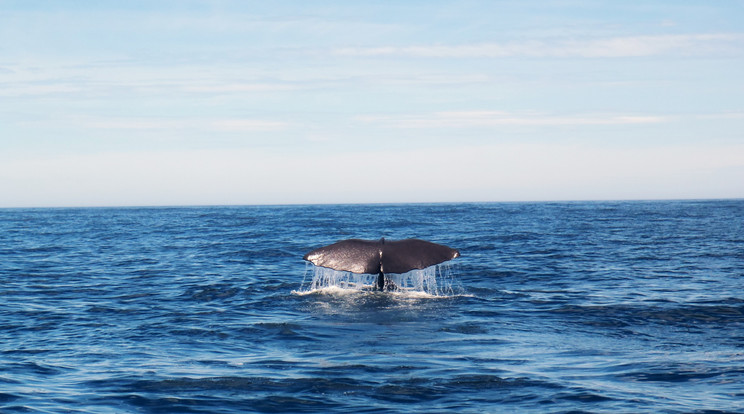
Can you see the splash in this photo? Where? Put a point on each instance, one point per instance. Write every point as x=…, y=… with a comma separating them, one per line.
x=433, y=281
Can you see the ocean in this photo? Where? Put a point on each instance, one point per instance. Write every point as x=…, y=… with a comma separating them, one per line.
x=621, y=307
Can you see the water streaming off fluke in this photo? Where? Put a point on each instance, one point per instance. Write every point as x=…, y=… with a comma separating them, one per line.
x=436, y=280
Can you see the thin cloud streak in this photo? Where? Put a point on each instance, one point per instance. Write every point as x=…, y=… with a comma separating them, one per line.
x=240, y=87
x=610, y=47
x=54, y=83
x=471, y=119
x=224, y=125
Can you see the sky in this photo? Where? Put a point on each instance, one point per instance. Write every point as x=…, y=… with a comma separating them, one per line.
x=139, y=103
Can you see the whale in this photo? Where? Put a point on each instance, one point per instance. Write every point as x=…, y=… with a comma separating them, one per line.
x=378, y=257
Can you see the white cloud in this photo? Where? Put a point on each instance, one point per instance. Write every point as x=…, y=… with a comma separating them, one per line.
x=52, y=82
x=239, y=87
x=469, y=119
x=219, y=125
x=725, y=115
x=604, y=47
x=246, y=125
x=18, y=90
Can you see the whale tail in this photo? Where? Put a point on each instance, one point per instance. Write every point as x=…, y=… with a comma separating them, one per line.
x=380, y=256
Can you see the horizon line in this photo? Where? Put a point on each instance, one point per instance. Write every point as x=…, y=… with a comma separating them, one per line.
x=380, y=203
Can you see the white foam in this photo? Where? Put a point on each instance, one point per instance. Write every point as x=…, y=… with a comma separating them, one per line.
x=329, y=290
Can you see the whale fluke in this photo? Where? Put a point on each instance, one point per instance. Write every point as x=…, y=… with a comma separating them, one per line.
x=380, y=256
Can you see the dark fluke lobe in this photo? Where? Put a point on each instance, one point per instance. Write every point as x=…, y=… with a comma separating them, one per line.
x=380, y=256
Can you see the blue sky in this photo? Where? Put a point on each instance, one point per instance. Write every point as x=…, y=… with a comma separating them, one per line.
x=238, y=102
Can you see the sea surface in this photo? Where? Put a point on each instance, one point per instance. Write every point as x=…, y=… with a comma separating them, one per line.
x=617, y=307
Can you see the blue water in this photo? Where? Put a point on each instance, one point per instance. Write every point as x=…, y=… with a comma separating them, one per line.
x=553, y=307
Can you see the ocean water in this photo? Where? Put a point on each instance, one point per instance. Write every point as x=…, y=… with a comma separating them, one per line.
x=552, y=307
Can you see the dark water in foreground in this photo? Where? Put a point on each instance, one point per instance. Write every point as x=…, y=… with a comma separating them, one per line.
x=553, y=307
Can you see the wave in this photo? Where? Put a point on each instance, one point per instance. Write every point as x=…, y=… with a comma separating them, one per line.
x=680, y=315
